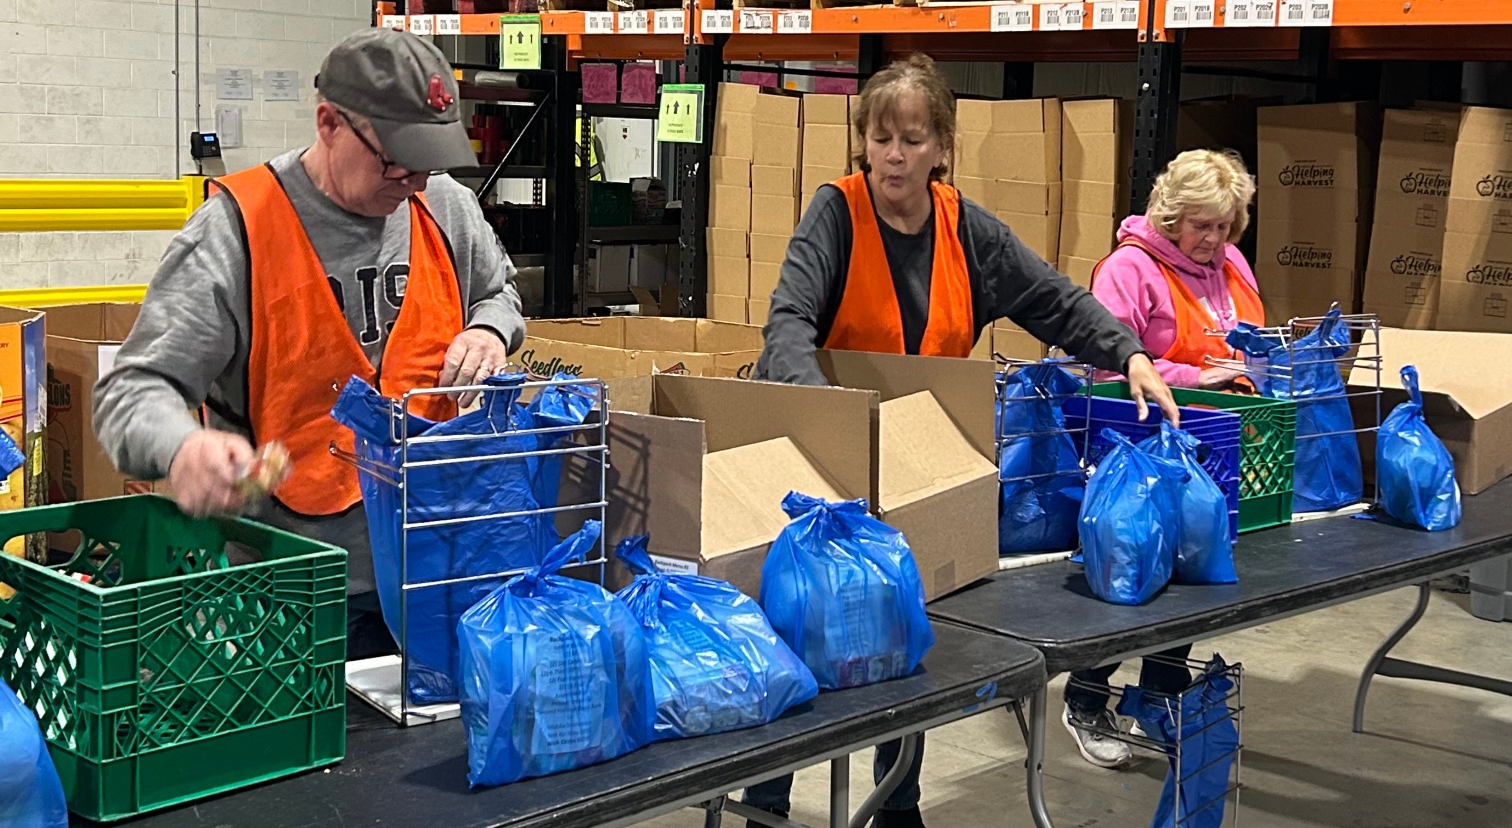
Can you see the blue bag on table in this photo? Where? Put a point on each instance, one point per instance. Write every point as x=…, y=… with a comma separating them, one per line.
x=716, y=663
x=554, y=673
x=468, y=489
x=1038, y=513
x=1130, y=523
x=1209, y=744
x=31, y=796
x=842, y=589
x=1205, y=553
x=1413, y=469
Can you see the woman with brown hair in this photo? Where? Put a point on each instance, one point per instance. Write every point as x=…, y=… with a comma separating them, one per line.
x=892, y=259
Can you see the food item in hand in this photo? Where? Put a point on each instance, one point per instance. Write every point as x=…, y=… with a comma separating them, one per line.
x=265, y=472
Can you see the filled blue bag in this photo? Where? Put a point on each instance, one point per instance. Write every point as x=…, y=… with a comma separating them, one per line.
x=461, y=490
x=1129, y=525
x=1042, y=481
x=842, y=589
x=1209, y=744
x=31, y=796
x=716, y=664
x=554, y=673
x=1205, y=553
x=1413, y=469
x=556, y=406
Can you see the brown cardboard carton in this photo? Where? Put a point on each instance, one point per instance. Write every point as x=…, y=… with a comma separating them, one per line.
x=732, y=171
x=978, y=116
x=1302, y=268
x=1317, y=161
x=857, y=140
x=826, y=145
x=757, y=309
x=935, y=472
x=1096, y=140
x=1467, y=407
x=1476, y=285
x=1040, y=232
x=736, y=98
x=1402, y=278
x=1077, y=269
x=779, y=146
x=1417, y=157
x=730, y=207
x=1023, y=197
x=1097, y=197
x=764, y=278
x=726, y=242
x=1030, y=115
x=702, y=465
x=774, y=215
x=776, y=109
x=729, y=276
x=815, y=177
x=622, y=346
x=1087, y=235
x=23, y=369
x=1483, y=156
x=983, y=347
x=735, y=136
x=780, y=181
x=1029, y=156
x=826, y=109
x=981, y=190
x=771, y=249
x=1009, y=341
x=728, y=307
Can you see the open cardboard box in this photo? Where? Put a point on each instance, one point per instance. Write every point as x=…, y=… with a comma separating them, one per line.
x=1466, y=404
x=622, y=346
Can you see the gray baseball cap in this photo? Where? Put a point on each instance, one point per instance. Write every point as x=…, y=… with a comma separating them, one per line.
x=407, y=89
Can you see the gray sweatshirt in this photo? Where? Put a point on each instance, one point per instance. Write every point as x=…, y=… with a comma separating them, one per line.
x=1007, y=280
x=190, y=341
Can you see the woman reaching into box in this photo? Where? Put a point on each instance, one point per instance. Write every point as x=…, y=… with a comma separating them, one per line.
x=893, y=260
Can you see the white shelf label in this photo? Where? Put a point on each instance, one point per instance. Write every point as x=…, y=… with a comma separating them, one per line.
x=718, y=21
x=795, y=22
x=1292, y=13
x=1236, y=14
x=448, y=24
x=1178, y=14
x=757, y=21
x=1049, y=17
x=422, y=24
x=1128, y=14
x=392, y=21
x=634, y=22
x=670, y=21
x=1203, y=13
x=1320, y=12
x=1105, y=15
x=598, y=23
x=1263, y=14
x=1072, y=15
x=1014, y=18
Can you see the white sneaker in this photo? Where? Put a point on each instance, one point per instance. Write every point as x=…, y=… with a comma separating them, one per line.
x=1097, y=748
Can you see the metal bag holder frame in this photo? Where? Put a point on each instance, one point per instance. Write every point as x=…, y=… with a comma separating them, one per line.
x=382, y=682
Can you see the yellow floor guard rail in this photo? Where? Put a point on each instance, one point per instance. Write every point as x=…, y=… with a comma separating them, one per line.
x=40, y=205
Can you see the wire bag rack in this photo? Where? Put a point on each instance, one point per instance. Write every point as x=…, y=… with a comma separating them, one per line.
x=582, y=450
x=1199, y=730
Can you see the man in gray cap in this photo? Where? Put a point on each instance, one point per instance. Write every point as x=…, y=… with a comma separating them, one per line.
x=353, y=256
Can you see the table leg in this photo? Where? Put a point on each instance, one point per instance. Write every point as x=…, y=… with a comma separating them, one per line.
x=714, y=813
x=1374, y=665
x=1036, y=763
x=889, y=783
x=839, y=816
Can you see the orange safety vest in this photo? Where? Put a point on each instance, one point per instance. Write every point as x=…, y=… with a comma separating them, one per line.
x=869, y=318
x=1193, y=345
x=303, y=351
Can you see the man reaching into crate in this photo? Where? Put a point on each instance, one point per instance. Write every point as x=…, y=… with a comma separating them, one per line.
x=348, y=257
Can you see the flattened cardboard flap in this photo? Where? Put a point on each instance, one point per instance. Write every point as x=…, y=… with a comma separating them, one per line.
x=963, y=388
x=923, y=453
x=1450, y=363
x=743, y=490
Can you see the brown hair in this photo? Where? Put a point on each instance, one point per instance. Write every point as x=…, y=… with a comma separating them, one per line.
x=916, y=73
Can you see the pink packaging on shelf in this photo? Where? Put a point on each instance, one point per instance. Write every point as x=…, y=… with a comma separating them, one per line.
x=638, y=84
x=600, y=83
x=767, y=79
x=835, y=86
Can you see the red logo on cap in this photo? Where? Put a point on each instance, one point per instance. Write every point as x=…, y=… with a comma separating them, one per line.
x=438, y=97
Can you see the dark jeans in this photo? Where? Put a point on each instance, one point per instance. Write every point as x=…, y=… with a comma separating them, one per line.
x=774, y=794
x=367, y=635
x=1153, y=675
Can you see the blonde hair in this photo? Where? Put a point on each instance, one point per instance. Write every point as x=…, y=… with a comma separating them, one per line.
x=1202, y=182
x=879, y=99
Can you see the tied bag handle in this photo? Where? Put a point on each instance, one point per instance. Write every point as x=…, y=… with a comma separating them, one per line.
x=1410, y=384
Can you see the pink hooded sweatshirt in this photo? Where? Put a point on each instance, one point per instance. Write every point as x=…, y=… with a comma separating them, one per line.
x=1131, y=285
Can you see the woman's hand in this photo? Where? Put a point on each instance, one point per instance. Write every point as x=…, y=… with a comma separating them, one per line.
x=1217, y=378
x=1145, y=384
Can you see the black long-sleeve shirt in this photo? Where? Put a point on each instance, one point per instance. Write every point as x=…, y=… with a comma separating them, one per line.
x=1007, y=280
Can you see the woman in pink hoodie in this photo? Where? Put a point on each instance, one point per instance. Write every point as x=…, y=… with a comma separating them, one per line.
x=1176, y=277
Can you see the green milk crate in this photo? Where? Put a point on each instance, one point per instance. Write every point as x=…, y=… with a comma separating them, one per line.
x=168, y=674
x=1267, y=449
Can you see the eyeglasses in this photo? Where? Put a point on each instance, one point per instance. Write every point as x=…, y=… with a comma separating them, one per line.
x=388, y=165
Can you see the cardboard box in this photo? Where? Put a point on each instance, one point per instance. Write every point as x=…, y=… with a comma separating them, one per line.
x=1317, y=161
x=735, y=136
x=1096, y=140
x=736, y=98
x=1096, y=197
x=775, y=108
x=1307, y=265
x=779, y=146
x=701, y=465
x=757, y=309
x=1040, y=232
x=624, y=346
x=981, y=190
x=1030, y=157
x=979, y=116
x=728, y=307
x=769, y=249
x=735, y=172
x=729, y=276
x=826, y=145
x=608, y=268
x=857, y=140
x=1087, y=235
x=1022, y=197
x=1476, y=285
x=782, y=181
x=1416, y=162
x=936, y=473
x=815, y=177
x=803, y=201
x=22, y=377
x=774, y=215
x=730, y=207
x=1483, y=156
x=764, y=278
x=654, y=265
x=826, y=109
x=1009, y=341
x=1077, y=269
x=1402, y=278
x=726, y=242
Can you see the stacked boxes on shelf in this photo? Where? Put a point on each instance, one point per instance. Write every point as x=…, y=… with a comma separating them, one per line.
x=1476, y=288
x=827, y=142
x=774, y=197
x=730, y=201
x=1412, y=203
x=1317, y=182
x=1096, y=155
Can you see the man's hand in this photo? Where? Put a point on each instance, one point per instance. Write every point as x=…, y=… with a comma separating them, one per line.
x=1217, y=378
x=474, y=356
x=204, y=473
x=1145, y=384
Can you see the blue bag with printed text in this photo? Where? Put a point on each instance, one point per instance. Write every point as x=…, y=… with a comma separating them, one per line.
x=554, y=673
x=1039, y=465
x=1205, y=552
x=842, y=589
x=1129, y=523
x=31, y=796
x=716, y=664
x=1413, y=468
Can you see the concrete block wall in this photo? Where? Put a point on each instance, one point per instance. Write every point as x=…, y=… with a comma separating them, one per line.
x=89, y=88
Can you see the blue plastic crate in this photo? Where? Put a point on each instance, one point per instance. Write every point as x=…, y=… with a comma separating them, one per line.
x=1216, y=431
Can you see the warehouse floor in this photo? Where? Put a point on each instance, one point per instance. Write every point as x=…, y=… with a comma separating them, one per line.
x=1432, y=755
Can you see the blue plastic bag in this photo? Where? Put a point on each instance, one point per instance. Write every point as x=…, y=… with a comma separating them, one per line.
x=30, y=794
x=1209, y=745
x=1129, y=530
x=716, y=663
x=554, y=674
x=842, y=589
x=1205, y=553
x=1037, y=513
x=469, y=489
x=1413, y=469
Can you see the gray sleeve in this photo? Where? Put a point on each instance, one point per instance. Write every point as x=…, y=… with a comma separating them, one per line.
x=811, y=274
x=1019, y=285
x=185, y=336
x=485, y=273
